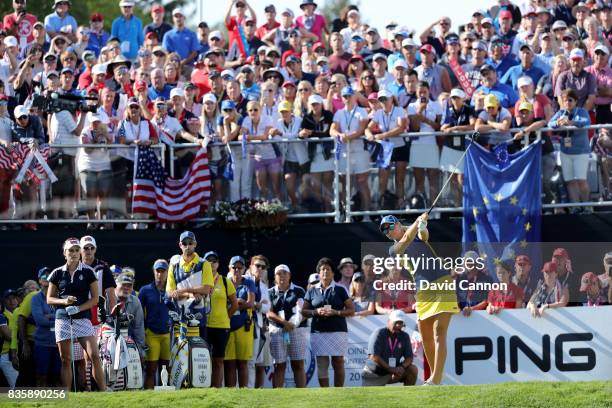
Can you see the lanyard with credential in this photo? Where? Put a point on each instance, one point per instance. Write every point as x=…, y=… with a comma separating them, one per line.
x=387, y=123
x=393, y=345
x=350, y=119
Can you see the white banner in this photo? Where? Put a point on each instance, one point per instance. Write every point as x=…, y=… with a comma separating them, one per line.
x=570, y=344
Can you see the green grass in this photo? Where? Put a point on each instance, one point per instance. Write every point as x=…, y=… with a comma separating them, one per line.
x=557, y=395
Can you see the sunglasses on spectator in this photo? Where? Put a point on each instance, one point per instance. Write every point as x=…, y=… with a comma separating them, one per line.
x=228, y=110
x=213, y=260
x=253, y=110
x=240, y=5
x=237, y=267
x=89, y=248
x=383, y=99
x=261, y=266
x=385, y=228
x=134, y=107
x=304, y=90
x=50, y=59
x=187, y=242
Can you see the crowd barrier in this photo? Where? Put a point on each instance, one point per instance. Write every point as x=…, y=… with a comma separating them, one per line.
x=342, y=204
x=566, y=344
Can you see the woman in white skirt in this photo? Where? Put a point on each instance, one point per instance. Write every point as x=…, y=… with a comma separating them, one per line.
x=329, y=305
x=460, y=117
x=73, y=290
x=425, y=115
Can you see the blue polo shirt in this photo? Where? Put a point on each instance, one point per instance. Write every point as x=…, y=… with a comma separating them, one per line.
x=395, y=88
x=182, y=42
x=154, y=308
x=514, y=73
x=506, y=96
x=53, y=23
x=252, y=93
x=335, y=295
x=286, y=301
x=504, y=65
x=130, y=34
x=165, y=92
x=44, y=317
x=97, y=41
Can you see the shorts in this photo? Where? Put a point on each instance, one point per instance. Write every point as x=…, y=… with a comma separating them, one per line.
x=449, y=159
x=240, y=345
x=424, y=156
x=295, y=350
x=360, y=162
x=63, y=167
x=80, y=328
x=296, y=168
x=432, y=302
x=261, y=353
x=401, y=154
x=96, y=182
x=574, y=166
x=158, y=346
x=217, y=341
x=47, y=360
x=269, y=165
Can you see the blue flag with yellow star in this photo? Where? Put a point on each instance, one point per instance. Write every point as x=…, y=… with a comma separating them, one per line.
x=501, y=199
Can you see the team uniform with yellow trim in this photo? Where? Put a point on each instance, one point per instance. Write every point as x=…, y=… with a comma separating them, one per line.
x=429, y=302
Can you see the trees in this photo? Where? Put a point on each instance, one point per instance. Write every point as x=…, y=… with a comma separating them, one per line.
x=333, y=9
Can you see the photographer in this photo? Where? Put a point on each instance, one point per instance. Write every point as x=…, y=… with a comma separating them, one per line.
x=64, y=128
x=94, y=167
x=22, y=84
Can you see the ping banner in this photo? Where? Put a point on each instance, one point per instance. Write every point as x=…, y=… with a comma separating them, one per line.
x=569, y=344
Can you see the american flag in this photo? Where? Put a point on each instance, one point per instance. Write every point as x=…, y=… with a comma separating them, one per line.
x=15, y=159
x=169, y=199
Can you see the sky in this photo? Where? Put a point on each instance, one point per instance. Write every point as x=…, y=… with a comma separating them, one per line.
x=411, y=13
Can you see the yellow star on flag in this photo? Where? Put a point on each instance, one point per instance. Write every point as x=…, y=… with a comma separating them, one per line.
x=475, y=211
x=497, y=261
x=473, y=227
x=523, y=243
x=514, y=200
x=527, y=227
x=485, y=200
x=483, y=256
x=524, y=211
x=498, y=197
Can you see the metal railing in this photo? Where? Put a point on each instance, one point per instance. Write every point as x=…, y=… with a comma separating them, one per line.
x=337, y=213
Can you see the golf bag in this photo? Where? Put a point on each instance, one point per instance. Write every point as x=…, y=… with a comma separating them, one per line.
x=120, y=354
x=190, y=361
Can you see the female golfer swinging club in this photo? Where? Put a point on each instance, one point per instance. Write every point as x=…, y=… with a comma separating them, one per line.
x=434, y=307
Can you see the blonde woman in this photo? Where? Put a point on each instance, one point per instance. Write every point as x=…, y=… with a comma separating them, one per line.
x=267, y=160
x=334, y=100
x=304, y=90
x=269, y=105
x=546, y=84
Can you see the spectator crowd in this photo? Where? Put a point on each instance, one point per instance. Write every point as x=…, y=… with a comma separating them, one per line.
x=253, y=315
x=294, y=75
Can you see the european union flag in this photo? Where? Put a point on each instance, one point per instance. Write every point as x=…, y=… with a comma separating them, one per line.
x=502, y=202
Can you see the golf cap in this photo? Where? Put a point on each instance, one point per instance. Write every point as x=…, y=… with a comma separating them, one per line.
x=20, y=111
x=408, y=42
x=524, y=80
x=346, y=261
x=397, y=316
x=160, y=264
x=491, y=101
x=559, y=24
x=236, y=259
x=400, y=63
x=457, y=93
x=281, y=267
x=358, y=276
x=43, y=273
x=368, y=257
x=486, y=20
x=379, y=56
x=209, y=97
x=312, y=99
x=211, y=254
x=98, y=69
x=71, y=242
x=602, y=48
x=228, y=105
x=177, y=92
x=284, y=106
x=215, y=34
x=485, y=68
x=178, y=11
x=347, y=91
x=383, y=93
x=187, y=235
x=526, y=106
x=313, y=279
x=88, y=239
x=125, y=279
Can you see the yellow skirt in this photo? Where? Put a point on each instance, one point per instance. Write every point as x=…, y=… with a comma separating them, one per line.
x=432, y=302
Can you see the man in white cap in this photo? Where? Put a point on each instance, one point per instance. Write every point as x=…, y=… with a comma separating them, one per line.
x=390, y=355
x=128, y=29
x=181, y=40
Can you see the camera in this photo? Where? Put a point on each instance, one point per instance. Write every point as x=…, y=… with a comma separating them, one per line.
x=55, y=102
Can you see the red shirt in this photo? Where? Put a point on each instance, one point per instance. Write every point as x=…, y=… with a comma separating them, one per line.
x=85, y=79
x=539, y=103
x=233, y=32
x=24, y=29
x=506, y=298
x=264, y=29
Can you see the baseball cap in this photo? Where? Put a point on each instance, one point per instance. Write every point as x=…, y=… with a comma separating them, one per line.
x=289, y=83
x=71, y=242
x=284, y=106
x=178, y=10
x=549, y=267
x=352, y=13
x=400, y=63
x=215, y=34
x=51, y=73
x=383, y=93
x=457, y=93
x=211, y=253
x=125, y=278
x=345, y=261
x=371, y=29
x=358, y=276
x=270, y=8
x=126, y=3
x=587, y=280
x=67, y=69
x=214, y=74
x=177, y=92
x=273, y=50
x=288, y=12
x=322, y=59
x=386, y=221
x=20, y=111
x=560, y=252
x=161, y=264
x=452, y=39
x=602, y=48
x=140, y=85
x=523, y=46
x=379, y=56
x=491, y=101
x=209, y=97
x=486, y=67
x=368, y=257
x=523, y=259
x=347, y=91
x=227, y=74
x=228, y=105
x=397, y=316
x=425, y=48
x=357, y=37
x=505, y=14
x=292, y=58
x=236, y=259
x=558, y=25
x=9, y=292
x=157, y=8
x=187, y=235
x=10, y=41
x=98, y=69
x=96, y=17
x=524, y=80
x=43, y=273
x=526, y=106
x=408, y=42
x=282, y=267
x=88, y=239
x=312, y=99
x=479, y=45
x=313, y=278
